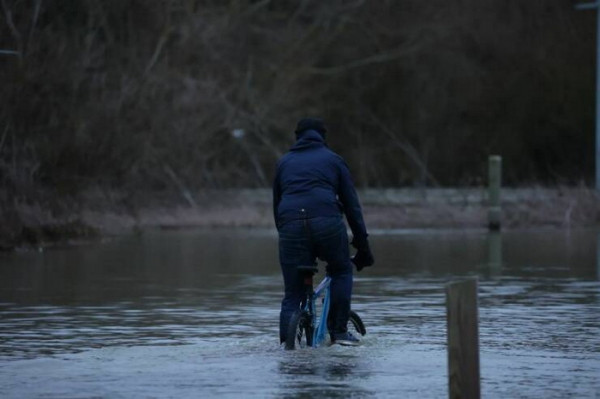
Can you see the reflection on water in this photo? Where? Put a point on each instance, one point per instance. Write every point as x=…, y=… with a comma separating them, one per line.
x=495, y=253
x=195, y=312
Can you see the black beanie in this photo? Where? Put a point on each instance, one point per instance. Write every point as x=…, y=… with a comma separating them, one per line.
x=311, y=124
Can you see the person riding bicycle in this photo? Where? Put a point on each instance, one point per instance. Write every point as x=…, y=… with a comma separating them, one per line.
x=312, y=191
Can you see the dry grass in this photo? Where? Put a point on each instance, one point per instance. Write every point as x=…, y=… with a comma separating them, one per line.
x=100, y=214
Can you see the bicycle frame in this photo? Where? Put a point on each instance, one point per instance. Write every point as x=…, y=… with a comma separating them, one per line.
x=320, y=332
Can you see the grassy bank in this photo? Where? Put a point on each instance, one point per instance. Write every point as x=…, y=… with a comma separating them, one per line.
x=100, y=214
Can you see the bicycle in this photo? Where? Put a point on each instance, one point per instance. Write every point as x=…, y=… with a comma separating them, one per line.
x=306, y=329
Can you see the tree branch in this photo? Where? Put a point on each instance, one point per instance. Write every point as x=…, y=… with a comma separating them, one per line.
x=34, y=19
x=406, y=147
x=13, y=29
x=374, y=59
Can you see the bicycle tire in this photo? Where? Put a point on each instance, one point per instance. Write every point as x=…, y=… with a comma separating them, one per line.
x=300, y=331
x=356, y=323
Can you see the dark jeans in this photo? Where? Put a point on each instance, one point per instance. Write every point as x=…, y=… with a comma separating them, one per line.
x=300, y=243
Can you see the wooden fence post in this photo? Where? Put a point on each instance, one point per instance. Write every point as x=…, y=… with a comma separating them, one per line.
x=598, y=256
x=494, y=184
x=463, y=340
x=495, y=252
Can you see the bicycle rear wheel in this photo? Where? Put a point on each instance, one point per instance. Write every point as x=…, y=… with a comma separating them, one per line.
x=355, y=324
x=300, y=331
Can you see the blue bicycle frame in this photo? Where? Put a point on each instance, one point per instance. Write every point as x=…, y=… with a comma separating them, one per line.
x=305, y=322
x=320, y=333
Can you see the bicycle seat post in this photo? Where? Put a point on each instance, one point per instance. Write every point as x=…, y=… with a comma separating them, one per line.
x=308, y=272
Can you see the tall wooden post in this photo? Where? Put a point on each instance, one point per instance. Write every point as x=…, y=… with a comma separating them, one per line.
x=494, y=184
x=495, y=252
x=463, y=340
x=589, y=6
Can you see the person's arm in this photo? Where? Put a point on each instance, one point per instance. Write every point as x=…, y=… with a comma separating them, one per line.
x=276, y=196
x=352, y=209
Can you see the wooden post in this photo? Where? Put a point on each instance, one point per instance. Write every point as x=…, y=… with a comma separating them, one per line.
x=495, y=252
x=598, y=256
x=494, y=184
x=463, y=340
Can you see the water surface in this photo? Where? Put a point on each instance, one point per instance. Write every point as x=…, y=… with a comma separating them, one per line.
x=194, y=313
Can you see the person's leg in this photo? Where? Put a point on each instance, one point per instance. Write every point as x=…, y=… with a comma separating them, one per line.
x=294, y=250
x=331, y=240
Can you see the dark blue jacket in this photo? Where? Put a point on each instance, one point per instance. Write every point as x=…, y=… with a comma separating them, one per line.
x=312, y=181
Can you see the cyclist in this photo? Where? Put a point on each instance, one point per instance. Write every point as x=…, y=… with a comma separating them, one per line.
x=312, y=191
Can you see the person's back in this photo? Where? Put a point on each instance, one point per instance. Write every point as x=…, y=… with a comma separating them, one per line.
x=308, y=179
x=311, y=192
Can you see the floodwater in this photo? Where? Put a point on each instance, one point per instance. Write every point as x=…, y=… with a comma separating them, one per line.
x=194, y=314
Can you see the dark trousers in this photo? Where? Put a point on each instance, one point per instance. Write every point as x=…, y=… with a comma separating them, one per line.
x=300, y=243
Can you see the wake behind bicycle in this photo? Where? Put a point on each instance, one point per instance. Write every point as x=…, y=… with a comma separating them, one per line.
x=308, y=328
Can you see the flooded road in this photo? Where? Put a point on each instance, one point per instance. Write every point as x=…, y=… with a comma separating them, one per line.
x=195, y=313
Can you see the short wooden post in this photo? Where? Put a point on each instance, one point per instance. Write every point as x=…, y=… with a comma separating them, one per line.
x=494, y=184
x=463, y=340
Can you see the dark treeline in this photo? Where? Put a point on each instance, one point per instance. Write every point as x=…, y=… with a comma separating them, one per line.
x=145, y=96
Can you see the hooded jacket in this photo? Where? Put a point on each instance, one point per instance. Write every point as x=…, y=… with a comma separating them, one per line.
x=311, y=181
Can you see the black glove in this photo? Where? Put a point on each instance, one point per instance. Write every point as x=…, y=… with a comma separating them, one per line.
x=363, y=257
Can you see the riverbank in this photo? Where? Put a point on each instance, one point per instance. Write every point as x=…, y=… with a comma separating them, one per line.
x=101, y=214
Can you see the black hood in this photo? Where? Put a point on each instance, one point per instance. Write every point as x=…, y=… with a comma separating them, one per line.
x=308, y=139
x=315, y=124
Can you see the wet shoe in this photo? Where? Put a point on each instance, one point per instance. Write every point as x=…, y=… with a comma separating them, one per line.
x=345, y=339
